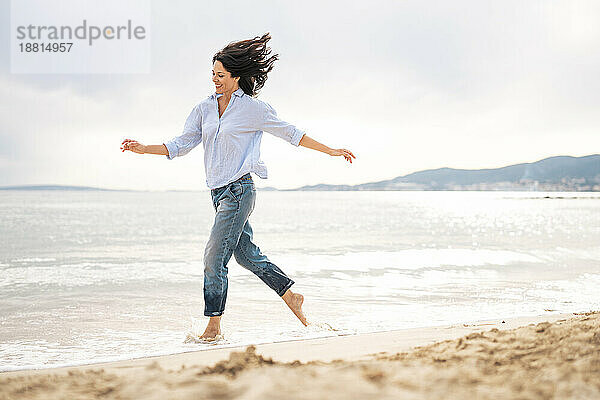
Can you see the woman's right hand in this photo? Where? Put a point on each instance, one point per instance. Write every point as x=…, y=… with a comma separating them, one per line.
x=133, y=145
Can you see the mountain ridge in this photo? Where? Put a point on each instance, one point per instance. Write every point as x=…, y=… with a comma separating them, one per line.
x=551, y=173
x=556, y=173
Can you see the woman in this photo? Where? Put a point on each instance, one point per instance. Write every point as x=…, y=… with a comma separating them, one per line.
x=229, y=123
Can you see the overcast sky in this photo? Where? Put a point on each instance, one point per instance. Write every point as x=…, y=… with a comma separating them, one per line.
x=405, y=85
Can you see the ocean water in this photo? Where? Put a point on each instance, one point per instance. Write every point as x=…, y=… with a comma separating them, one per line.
x=101, y=276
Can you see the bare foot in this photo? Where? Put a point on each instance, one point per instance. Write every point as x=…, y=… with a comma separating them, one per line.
x=294, y=302
x=213, y=329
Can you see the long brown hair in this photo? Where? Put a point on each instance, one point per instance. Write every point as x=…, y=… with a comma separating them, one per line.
x=249, y=59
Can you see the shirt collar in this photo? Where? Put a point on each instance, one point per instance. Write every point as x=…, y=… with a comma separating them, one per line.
x=239, y=92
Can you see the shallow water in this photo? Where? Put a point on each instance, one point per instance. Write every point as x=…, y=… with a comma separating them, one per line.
x=99, y=276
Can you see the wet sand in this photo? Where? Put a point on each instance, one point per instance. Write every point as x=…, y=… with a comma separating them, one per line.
x=545, y=357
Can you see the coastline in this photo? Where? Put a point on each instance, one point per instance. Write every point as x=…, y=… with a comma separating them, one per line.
x=325, y=349
x=366, y=362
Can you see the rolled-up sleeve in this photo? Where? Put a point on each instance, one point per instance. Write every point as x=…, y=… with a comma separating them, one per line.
x=190, y=137
x=279, y=128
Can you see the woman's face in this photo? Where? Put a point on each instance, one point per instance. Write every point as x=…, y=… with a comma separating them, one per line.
x=222, y=79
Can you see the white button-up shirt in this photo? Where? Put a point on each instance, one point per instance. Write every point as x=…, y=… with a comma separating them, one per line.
x=232, y=142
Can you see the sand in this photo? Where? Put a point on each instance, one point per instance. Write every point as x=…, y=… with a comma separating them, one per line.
x=545, y=357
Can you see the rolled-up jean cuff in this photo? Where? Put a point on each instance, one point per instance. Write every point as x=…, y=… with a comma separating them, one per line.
x=213, y=313
x=285, y=288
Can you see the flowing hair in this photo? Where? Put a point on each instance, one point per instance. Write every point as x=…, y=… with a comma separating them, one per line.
x=250, y=60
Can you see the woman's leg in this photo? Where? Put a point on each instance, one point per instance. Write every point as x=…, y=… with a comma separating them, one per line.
x=249, y=256
x=233, y=206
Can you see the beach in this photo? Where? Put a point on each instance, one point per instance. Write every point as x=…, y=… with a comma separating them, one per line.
x=84, y=278
x=97, y=302
x=395, y=200
x=549, y=356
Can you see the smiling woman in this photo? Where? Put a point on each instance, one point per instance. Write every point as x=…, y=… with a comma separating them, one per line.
x=245, y=63
x=229, y=123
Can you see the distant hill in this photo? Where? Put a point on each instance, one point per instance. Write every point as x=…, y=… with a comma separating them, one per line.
x=52, y=187
x=560, y=173
x=89, y=188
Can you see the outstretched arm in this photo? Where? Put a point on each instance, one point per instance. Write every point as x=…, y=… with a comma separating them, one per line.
x=311, y=143
x=176, y=147
x=288, y=132
x=137, y=147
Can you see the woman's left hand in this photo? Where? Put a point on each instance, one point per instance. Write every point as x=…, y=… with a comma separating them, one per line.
x=342, y=152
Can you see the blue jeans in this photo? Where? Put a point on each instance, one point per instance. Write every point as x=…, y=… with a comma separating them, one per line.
x=231, y=233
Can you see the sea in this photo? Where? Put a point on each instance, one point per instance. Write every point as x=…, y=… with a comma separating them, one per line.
x=95, y=276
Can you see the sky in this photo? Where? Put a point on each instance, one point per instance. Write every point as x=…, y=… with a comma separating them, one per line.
x=404, y=85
